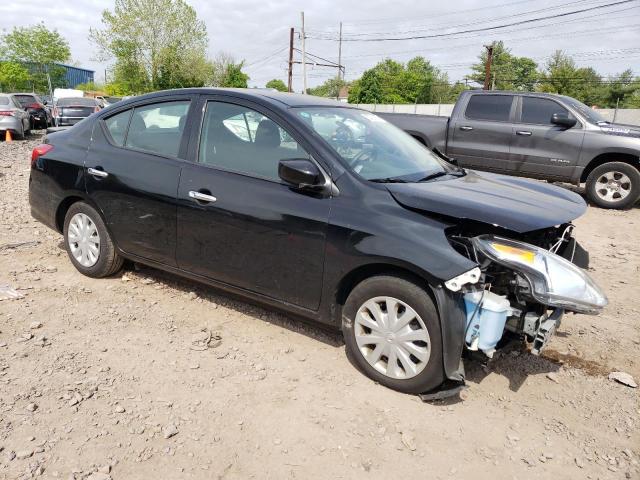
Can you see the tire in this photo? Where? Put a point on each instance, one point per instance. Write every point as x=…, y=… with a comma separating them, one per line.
x=385, y=291
x=100, y=261
x=614, y=185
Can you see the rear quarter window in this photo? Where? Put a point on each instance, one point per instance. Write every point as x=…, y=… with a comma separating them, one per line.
x=117, y=126
x=489, y=107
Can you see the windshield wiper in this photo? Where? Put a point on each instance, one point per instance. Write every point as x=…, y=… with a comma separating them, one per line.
x=433, y=175
x=388, y=180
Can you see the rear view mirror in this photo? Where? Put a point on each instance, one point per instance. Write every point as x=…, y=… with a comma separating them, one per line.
x=299, y=172
x=563, y=120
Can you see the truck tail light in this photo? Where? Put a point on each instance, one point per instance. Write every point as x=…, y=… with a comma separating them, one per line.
x=39, y=151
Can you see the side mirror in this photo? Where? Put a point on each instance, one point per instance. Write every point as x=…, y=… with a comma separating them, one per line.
x=301, y=172
x=563, y=120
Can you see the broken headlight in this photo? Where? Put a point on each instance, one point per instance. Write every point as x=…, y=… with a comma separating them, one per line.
x=554, y=281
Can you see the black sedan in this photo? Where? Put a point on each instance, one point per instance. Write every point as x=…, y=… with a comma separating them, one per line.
x=36, y=107
x=69, y=111
x=324, y=211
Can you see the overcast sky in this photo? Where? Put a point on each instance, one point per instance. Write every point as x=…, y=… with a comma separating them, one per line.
x=258, y=31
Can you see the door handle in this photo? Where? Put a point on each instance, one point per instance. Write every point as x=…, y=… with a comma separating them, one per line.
x=97, y=173
x=202, y=197
x=524, y=133
x=466, y=128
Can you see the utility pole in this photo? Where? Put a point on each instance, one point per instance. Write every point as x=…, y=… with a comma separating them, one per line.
x=487, y=67
x=304, y=58
x=290, y=82
x=340, y=54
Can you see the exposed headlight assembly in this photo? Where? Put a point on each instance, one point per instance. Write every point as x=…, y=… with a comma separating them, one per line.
x=554, y=281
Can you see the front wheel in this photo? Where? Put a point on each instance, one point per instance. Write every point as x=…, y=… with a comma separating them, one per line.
x=392, y=332
x=614, y=185
x=88, y=243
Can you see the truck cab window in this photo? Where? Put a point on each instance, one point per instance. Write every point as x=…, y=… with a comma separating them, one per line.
x=489, y=107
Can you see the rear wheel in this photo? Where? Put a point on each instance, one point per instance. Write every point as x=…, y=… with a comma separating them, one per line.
x=392, y=332
x=88, y=243
x=614, y=185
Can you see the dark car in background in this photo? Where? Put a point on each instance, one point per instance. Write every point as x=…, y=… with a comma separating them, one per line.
x=40, y=115
x=69, y=111
x=538, y=135
x=324, y=211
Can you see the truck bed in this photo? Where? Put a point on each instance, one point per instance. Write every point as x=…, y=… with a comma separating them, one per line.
x=428, y=129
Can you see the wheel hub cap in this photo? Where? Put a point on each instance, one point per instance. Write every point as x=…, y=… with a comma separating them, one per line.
x=392, y=337
x=84, y=240
x=613, y=186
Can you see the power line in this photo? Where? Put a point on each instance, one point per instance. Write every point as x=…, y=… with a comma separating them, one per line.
x=483, y=29
x=477, y=22
x=574, y=33
x=454, y=12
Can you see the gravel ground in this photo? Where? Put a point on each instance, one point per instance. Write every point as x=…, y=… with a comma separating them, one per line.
x=147, y=375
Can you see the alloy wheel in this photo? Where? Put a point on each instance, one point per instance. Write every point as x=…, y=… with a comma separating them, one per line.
x=392, y=337
x=84, y=240
x=613, y=186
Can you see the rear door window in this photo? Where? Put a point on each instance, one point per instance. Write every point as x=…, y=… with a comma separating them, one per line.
x=539, y=110
x=158, y=128
x=117, y=126
x=495, y=108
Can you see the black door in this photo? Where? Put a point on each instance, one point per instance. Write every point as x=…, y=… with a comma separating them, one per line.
x=237, y=222
x=482, y=133
x=132, y=175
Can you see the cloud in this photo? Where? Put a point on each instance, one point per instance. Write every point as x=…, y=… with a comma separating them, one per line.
x=253, y=30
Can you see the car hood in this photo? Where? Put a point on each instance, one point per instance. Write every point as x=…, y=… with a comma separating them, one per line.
x=513, y=203
x=621, y=130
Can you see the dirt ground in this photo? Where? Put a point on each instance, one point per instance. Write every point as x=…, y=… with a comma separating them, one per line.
x=146, y=375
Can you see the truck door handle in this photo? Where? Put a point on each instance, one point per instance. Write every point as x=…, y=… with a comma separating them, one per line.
x=466, y=128
x=524, y=133
x=97, y=173
x=202, y=197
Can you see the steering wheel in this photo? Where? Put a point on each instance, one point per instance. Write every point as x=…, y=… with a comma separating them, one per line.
x=361, y=158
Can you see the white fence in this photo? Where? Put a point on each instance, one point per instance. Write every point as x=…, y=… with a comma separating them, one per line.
x=629, y=116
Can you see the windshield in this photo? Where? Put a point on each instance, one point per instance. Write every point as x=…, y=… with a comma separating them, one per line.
x=589, y=114
x=371, y=146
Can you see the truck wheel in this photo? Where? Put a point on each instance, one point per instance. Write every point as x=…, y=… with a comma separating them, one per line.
x=614, y=185
x=392, y=332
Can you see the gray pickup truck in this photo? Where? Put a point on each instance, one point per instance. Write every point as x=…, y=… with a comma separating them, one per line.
x=537, y=135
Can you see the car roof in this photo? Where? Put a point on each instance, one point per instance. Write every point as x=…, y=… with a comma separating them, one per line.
x=272, y=96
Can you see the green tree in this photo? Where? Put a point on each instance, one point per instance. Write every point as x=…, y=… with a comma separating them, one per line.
x=330, y=88
x=367, y=89
x=156, y=44
x=36, y=44
x=38, y=49
x=13, y=77
x=234, y=76
x=393, y=82
x=562, y=76
x=277, y=84
x=508, y=72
